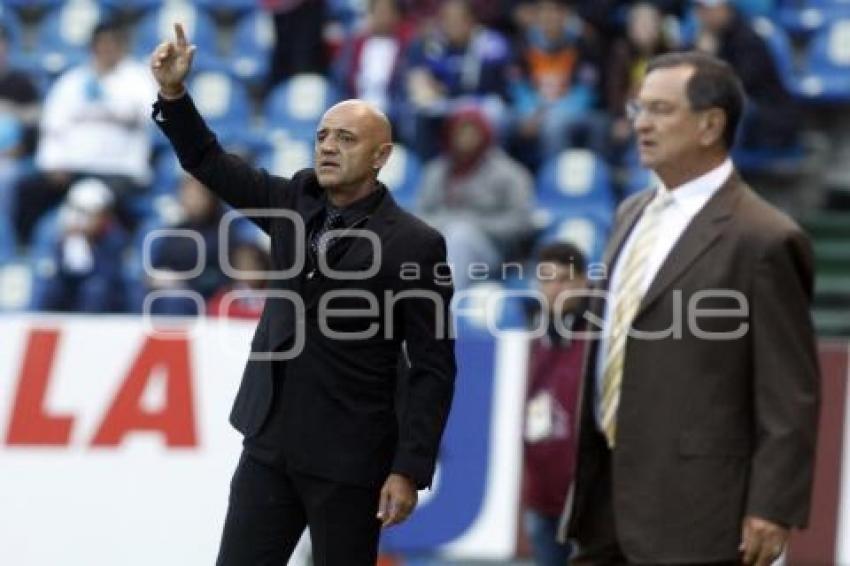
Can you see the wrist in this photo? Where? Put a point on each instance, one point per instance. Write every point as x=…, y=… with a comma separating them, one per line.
x=172, y=92
x=407, y=478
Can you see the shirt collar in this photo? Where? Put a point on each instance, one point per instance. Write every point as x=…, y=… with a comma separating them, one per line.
x=358, y=209
x=692, y=196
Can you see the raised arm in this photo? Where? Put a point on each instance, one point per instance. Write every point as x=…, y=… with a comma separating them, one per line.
x=239, y=184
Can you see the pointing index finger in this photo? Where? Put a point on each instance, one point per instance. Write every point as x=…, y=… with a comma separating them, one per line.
x=180, y=34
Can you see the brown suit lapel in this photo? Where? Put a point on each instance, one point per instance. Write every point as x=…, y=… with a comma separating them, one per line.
x=621, y=231
x=705, y=228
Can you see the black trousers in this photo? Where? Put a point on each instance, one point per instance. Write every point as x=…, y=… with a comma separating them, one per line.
x=269, y=509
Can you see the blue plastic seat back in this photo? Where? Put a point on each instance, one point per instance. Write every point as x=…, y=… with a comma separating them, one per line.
x=284, y=155
x=253, y=41
x=827, y=68
x=586, y=228
x=401, y=175
x=158, y=26
x=64, y=34
x=297, y=105
x=575, y=177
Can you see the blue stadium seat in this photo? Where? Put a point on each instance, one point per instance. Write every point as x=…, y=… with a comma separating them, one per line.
x=228, y=7
x=346, y=12
x=12, y=24
x=756, y=7
x=778, y=161
x=638, y=178
x=587, y=229
x=222, y=100
x=807, y=16
x=575, y=178
x=158, y=26
x=63, y=36
x=41, y=253
x=131, y=6
x=297, y=104
x=285, y=155
x=166, y=174
x=780, y=48
x=253, y=40
x=33, y=4
x=401, y=176
x=827, y=67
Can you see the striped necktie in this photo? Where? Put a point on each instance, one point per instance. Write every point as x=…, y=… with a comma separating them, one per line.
x=333, y=221
x=629, y=293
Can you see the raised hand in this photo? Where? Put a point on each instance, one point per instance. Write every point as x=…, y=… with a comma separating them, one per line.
x=171, y=61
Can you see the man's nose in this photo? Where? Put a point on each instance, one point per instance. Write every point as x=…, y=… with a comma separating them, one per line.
x=327, y=146
x=642, y=122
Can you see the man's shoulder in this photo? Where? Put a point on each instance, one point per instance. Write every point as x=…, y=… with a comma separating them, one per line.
x=303, y=181
x=634, y=200
x=761, y=221
x=415, y=226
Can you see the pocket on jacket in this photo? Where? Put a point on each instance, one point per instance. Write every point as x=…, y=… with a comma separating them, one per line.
x=706, y=444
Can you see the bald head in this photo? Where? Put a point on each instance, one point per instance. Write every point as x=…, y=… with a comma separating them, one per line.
x=373, y=122
x=353, y=142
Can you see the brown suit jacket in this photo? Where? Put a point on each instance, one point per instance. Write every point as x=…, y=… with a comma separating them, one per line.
x=708, y=430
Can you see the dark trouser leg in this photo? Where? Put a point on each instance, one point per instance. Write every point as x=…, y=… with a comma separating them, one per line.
x=597, y=537
x=343, y=527
x=265, y=517
x=299, y=47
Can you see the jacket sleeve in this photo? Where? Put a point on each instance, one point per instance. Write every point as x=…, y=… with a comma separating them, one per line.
x=786, y=384
x=236, y=182
x=429, y=386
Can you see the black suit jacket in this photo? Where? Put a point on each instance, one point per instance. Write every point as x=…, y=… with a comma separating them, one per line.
x=339, y=394
x=708, y=430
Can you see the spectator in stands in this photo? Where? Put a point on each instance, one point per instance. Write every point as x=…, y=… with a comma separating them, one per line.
x=299, y=47
x=645, y=38
x=369, y=67
x=95, y=123
x=608, y=16
x=459, y=62
x=243, y=297
x=771, y=119
x=554, y=376
x=19, y=110
x=201, y=214
x=476, y=195
x=84, y=271
x=20, y=103
x=555, y=96
x=495, y=14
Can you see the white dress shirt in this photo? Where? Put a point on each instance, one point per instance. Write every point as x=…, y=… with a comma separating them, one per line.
x=99, y=125
x=688, y=200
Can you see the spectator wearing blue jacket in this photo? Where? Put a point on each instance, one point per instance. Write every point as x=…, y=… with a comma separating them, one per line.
x=84, y=270
x=556, y=93
x=457, y=63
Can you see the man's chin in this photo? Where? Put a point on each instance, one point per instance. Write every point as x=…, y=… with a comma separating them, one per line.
x=648, y=160
x=328, y=181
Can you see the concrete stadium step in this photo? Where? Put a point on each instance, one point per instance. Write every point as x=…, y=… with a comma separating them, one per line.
x=832, y=322
x=832, y=256
x=826, y=225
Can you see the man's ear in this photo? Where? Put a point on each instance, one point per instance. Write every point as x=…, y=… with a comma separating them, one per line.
x=382, y=155
x=712, y=125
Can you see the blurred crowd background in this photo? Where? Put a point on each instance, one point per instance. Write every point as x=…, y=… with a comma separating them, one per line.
x=509, y=117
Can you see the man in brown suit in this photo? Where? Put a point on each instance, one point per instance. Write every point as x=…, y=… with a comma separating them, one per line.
x=700, y=398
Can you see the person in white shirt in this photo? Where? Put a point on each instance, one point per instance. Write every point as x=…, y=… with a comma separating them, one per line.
x=94, y=123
